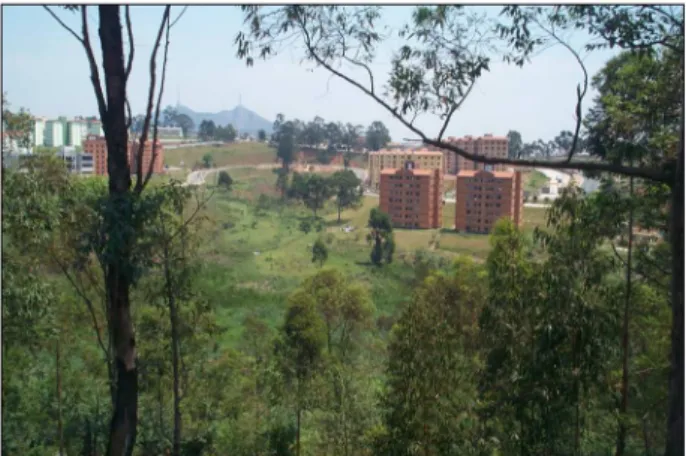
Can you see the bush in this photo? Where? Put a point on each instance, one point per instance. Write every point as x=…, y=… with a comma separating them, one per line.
x=224, y=180
x=534, y=198
x=329, y=238
x=305, y=226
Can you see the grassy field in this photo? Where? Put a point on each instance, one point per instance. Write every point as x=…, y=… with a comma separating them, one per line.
x=249, y=153
x=255, y=253
x=534, y=181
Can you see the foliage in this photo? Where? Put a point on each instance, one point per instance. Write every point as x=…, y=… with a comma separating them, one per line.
x=18, y=126
x=377, y=136
x=224, y=180
x=319, y=252
x=347, y=189
x=208, y=160
x=381, y=235
x=207, y=130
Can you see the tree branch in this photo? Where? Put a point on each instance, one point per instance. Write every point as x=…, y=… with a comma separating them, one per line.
x=183, y=11
x=65, y=26
x=455, y=108
x=129, y=30
x=366, y=67
x=148, y=111
x=157, y=110
x=646, y=173
x=95, y=73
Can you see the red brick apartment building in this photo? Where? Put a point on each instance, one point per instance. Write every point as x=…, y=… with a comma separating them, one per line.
x=486, y=145
x=483, y=197
x=97, y=146
x=413, y=198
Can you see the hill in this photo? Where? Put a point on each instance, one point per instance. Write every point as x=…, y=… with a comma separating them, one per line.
x=242, y=118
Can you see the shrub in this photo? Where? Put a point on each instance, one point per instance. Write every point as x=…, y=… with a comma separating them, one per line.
x=224, y=180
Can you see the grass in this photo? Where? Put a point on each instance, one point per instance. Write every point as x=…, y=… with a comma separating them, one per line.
x=534, y=181
x=255, y=254
x=249, y=153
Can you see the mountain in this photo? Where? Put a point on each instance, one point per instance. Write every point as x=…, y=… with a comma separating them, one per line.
x=243, y=119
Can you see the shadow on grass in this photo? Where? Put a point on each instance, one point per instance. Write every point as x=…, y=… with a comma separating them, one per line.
x=335, y=222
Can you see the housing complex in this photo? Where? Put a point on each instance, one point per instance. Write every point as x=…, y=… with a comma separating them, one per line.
x=482, y=197
x=396, y=158
x=412, y=197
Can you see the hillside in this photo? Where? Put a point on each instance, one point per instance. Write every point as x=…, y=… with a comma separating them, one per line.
x=242, y=118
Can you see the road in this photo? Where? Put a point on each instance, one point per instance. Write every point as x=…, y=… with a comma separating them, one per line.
x=198, y=177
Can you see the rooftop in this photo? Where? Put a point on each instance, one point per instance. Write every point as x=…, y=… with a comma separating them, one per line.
x=487, y=137
x=415, y=172
x=474, y=172
x=424, y=152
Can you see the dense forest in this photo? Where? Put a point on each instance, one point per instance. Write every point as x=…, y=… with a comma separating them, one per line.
x=564, y=343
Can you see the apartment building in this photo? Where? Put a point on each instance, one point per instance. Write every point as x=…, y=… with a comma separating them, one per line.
x=483, y=197
x=97, y=147
x=396, y=158
x=54, y=133
x=412, y=197
x=486, y=145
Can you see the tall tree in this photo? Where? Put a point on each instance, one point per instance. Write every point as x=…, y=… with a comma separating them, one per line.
x=381, y=235
x=121, y=225
x=347, y=189
x=432, y=368
x=514, y=144
x=262, y=135
x=207, y=130
x=300, y=350
x=17, y=126
x=377, y=136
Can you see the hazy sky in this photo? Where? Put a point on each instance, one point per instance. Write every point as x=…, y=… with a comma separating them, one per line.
x=45, y=70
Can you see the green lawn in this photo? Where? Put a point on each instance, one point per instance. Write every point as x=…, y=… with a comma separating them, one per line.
x=249, y=153
x=534, y=181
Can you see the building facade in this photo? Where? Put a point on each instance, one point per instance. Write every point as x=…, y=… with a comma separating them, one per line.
x=96, y=146
x=486, y=145
x=54, y=133
x=396, y=158
x=412, y=197
x=483, y=197
x=77, y=162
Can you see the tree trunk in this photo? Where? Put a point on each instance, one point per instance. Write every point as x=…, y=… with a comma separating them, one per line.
x=339, y=212
x=621, y=434
x=58, y=377
x=297, y=433
x=119, y=221
x=174, y=319
x=675, y=422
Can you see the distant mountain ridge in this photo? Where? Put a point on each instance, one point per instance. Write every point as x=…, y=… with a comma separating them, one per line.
x=243, y=119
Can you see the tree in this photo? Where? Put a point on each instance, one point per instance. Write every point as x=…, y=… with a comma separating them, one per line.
x=169, y=116
x=224, y=180
x=432, y=369
x=207, y=130
x=17, y=126
x=185, y=123
x=347, y=189
x=381, y=235
x=514, y=144
x=377, y=136
x=438, y=64
x=262, y=135
x=121, y=225
x=226, y=134
x=313, y=190
x=319, y=252
x=300, y=349
x=286, y=137
x=208, y=160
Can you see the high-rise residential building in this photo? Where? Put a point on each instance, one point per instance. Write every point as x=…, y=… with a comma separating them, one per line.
x=396, y=158
x=94, y=127
x=412, y=197
x=54, y=133
x=482, y=197
x=38, y=131
x=486, y=145
x=77, y=131
x=97, y=147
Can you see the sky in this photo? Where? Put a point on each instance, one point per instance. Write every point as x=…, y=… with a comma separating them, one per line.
x=45, y=70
